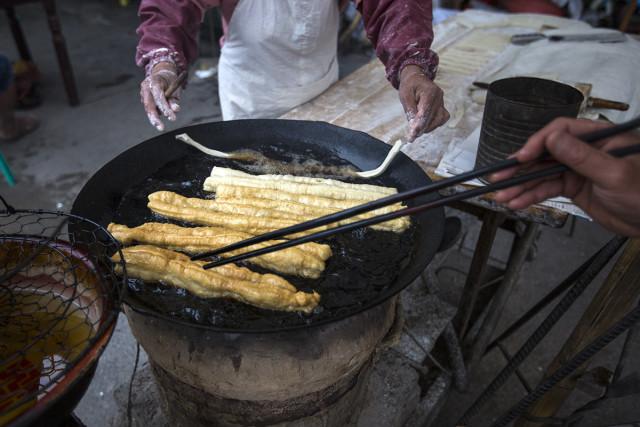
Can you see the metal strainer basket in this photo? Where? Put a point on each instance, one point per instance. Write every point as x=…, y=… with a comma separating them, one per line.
x=59, y=299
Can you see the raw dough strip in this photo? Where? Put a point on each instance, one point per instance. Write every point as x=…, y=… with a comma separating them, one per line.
x=309, y=263
x=376, y=189
x=154, y=264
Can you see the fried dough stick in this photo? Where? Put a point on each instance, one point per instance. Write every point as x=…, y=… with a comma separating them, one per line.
x=378, y=190
x=155, y=264
x=231, y=191
x=308, y=207
x=175, y=206
x=322, y=190
x=306, y=260
x=244, y=215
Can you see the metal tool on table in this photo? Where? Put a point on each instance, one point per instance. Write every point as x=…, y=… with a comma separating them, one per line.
x=592, y=102
x=609, y=37
x=410, y=194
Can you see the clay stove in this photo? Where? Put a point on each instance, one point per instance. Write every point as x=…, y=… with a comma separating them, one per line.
x=292, y=378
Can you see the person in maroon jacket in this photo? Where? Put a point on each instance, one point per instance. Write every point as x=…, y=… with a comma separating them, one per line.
x=277, y=54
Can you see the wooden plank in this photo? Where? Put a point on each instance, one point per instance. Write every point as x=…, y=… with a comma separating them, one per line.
x=618, y=294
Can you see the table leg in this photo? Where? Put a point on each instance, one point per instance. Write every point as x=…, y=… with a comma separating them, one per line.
x=61, y=51
x=18, y=35
x=490, y=223
x=617, y=296
x=516, y=260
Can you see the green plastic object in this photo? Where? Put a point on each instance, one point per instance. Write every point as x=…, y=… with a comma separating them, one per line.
x=6, y=171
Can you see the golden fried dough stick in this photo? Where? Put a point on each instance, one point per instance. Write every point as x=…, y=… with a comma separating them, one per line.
x=307, y=260
x=252, y=218
x=311, y=206
x=380, y=191
x=264, y=208
x=155, y=264
x=234, y=208
x=175, y=206
x=232, y=191
x=307, y=212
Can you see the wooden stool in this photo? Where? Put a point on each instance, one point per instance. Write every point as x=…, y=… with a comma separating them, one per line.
x=58, y=42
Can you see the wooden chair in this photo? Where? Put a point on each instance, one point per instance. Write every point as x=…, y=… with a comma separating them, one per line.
x=629, y=11
x=56, y=35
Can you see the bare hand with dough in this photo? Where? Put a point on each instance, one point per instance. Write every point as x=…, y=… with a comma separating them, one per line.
x=423, y=102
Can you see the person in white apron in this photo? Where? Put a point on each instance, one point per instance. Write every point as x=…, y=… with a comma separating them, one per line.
x=291, y=46
x=277, y=54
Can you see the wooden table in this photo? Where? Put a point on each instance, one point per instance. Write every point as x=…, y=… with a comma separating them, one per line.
x=365, y=101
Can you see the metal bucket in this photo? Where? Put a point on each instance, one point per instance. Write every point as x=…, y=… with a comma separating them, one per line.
x=518, y=107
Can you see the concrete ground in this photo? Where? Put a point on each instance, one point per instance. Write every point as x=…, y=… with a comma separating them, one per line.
x=52, y=164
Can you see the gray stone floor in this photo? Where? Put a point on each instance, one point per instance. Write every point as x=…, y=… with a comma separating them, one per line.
x=52, y=164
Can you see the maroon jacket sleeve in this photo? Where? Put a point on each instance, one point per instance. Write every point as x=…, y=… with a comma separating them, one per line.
x=168, y=31
x=401, y=32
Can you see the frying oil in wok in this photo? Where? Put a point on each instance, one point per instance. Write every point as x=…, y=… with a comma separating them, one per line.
x=258, y=163
x=364, y=264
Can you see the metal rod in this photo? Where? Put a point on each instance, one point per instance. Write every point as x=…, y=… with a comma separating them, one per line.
x=617, y=295
x=592, y=270
x=411, y=194
x=551, y=296
x=519, y=374
x=568, y=368
x=517, y=180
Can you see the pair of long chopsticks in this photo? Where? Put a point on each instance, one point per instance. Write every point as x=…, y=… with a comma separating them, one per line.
x=410, y=194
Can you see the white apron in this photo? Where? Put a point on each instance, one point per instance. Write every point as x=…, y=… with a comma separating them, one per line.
x=277, y=54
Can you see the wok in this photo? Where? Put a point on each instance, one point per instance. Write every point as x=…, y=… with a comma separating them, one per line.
x=117, y=193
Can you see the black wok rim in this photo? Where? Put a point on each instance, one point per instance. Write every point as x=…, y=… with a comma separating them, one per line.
x=84, y=200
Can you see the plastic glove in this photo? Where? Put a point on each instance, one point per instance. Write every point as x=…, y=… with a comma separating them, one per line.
x=423, y=102
x=152, y=96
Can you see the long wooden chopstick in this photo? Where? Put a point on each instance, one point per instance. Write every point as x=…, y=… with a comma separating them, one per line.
x=407, y=195
x=554, y=170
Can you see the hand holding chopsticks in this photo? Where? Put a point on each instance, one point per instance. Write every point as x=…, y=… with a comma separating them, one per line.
x=410, y=194
x=604, y=186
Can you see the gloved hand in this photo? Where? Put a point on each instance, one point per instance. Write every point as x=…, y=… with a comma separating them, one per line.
x=423, y=102
x=152, y=95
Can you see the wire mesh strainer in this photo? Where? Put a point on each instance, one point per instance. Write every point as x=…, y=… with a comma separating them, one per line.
x=59, y=298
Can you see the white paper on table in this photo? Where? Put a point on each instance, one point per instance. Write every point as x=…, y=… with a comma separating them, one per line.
x=461, y=157
x=613, y=69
